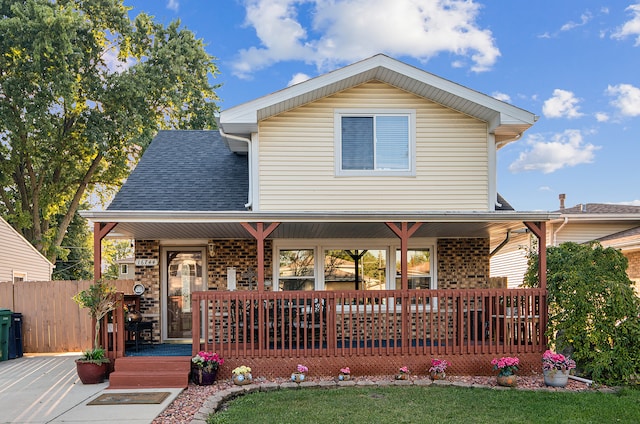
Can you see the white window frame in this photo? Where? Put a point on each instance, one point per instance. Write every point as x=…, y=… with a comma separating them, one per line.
x=340, y=113
x=390, y=245
x=18, y=274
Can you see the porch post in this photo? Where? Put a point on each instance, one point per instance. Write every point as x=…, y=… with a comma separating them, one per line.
x=260, y=234
x=404, y=232
x=100, y=231
x=539, y=229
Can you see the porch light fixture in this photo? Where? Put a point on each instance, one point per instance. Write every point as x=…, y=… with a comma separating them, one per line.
x=211, y=248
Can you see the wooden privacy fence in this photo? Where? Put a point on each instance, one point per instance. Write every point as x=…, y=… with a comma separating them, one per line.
x=51, y=320
x=369, y=323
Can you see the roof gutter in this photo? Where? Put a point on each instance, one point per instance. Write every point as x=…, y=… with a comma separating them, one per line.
x=249, y=203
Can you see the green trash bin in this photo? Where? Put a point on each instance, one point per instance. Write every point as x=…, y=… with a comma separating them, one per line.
x=5, y=322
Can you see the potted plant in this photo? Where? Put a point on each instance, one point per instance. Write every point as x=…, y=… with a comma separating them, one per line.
x=99, y=299
x=438, y=368
x=506, y=367
x=242, y=375
x=556, y=368
x=403, y=374
x=299, y=375
x=204, y=367
x=345, y=374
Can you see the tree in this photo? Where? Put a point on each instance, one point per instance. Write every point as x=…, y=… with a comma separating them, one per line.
x=83, y=88
x=113, y=251
x=593, y=309
x=75, y=261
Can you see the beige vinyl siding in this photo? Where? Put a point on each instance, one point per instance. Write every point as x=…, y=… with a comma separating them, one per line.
x=583, y=232
x=17, y=255
x=297, y=167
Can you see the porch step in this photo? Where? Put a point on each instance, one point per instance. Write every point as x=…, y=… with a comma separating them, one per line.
x=139, y=372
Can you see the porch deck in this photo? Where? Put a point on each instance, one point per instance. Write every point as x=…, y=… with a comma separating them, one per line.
x=379, y=331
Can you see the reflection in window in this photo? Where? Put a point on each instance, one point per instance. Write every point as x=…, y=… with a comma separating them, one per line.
x=418, y=269
x=355, y=269
x=296, y=270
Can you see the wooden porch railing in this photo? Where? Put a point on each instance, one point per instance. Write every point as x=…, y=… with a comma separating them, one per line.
x=362, y=323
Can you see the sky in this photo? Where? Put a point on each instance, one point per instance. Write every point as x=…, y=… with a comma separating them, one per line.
x=573, y=63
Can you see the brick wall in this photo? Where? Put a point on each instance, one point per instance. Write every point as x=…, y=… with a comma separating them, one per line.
x=149, y=276
x=634, y=268
x=242, y=255
x=463, y=263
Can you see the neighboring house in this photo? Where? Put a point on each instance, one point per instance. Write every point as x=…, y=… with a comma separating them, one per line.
x=612, y=225
x=19, y=260
x=126, y=268
x=368, y=194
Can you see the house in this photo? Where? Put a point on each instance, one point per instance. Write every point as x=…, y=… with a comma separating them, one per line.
x=612, y=225
x=19, y=260
x=351, y=215
x=126, y=268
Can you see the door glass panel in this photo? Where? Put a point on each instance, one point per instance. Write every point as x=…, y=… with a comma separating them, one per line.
x=184, y=275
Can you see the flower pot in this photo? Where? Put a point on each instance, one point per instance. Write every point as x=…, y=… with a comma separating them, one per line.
x=203, y=377
x=91, y=373
x=507, y=380
x=242, y=379
x=402, y=376
x=297, y=377
x=344, y=377
x=556, y=378
x=438, y=375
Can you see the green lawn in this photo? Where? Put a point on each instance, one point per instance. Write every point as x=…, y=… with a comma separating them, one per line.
x=430, y=405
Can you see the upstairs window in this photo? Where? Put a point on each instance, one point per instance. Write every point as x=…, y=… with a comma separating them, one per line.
x=375, y=143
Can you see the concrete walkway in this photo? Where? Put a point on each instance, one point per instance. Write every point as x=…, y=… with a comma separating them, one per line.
x=46, y=389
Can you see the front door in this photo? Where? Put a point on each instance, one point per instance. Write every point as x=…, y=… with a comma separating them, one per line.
x=183, y=274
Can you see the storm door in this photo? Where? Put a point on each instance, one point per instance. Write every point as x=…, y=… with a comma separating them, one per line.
x=183, y=274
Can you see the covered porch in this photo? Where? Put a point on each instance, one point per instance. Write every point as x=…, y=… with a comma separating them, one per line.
x=377, y=330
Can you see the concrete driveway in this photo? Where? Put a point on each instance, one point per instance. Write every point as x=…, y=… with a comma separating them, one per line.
x=46, y=389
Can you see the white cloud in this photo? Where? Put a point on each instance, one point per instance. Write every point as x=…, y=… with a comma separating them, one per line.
x=501, y=96
x=627, y=98
x=173, y=5
x=602, y=117
x=335, y=32
x=631, y=27
x=584, y=19
x=631, y=203
x=113, y=63
x=561, y=150
x=563, y=104
x=298, y=78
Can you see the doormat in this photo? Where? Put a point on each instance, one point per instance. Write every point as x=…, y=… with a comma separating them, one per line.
x=136, y=398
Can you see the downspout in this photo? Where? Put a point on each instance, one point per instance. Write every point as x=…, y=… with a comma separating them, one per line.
x=501, y=245
x=556, y=231
x=249, y=203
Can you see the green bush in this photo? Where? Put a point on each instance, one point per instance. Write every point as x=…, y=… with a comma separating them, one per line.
x=593, y=309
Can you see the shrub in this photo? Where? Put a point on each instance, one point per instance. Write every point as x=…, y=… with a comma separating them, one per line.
x=594, y=314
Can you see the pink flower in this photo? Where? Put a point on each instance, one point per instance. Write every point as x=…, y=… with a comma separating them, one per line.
x=439, y=365
x=505, y=365
x=302, y=368
x=404, y=370
x=345, y=370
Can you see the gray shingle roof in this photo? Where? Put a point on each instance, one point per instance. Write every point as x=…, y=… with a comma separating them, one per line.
x=594, y=208
x=186, y=171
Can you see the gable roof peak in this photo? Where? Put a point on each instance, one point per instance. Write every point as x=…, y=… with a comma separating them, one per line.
x=505, y=121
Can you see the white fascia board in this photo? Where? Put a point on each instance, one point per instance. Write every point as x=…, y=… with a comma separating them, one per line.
x=301, y=216
x=246, y=113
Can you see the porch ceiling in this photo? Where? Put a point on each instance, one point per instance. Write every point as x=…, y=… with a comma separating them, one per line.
x=318, y=226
